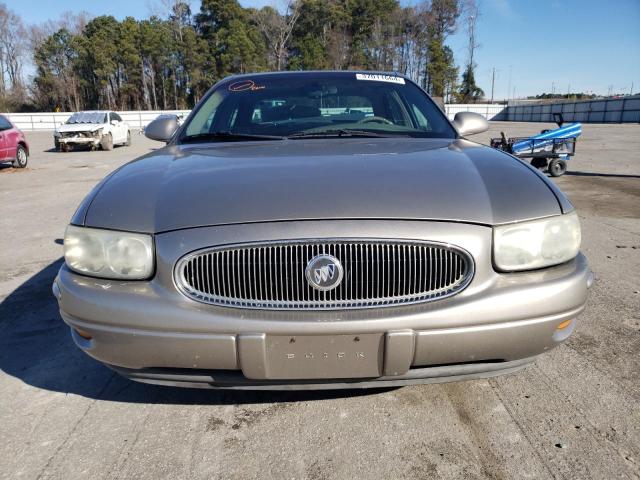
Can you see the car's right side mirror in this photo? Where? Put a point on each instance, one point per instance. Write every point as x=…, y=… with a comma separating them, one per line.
x=469, y=123
x=162, y=128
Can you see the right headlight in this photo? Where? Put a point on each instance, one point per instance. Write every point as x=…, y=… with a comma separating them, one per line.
x=536, y=244
x=108, y=253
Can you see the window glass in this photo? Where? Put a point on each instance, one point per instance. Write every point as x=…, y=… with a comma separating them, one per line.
x=4, y=123
x=88, y=117
x=294, y=104
x=202, y=121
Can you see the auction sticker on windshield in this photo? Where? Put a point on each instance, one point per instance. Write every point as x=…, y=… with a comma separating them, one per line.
x=376, y=77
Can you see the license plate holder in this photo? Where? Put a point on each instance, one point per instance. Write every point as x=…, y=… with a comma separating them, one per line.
x=300, y=357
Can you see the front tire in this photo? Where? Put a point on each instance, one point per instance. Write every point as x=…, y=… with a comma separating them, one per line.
x=107, y=142
x=557, y=167
x=128, y=142
x=22, y=157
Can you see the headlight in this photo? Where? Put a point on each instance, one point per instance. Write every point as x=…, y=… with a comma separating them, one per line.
x=536, y=244
x=108, y=254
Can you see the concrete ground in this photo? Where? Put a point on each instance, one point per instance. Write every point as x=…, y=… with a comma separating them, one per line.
x=574, y=414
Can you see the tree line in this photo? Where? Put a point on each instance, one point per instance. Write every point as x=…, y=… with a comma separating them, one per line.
x=170, y=60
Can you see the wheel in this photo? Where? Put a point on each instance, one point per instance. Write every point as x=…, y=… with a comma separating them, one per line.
x=21, y=157
x=128, y=142
x=56, y=143
x=64, y=147
x=107, y=142
x=539, y=162
x=557, y=167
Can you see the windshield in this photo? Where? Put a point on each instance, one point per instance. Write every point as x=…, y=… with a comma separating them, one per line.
x=316, y=106
x=88, y=117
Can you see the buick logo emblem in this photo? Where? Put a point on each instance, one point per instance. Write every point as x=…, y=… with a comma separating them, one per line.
x=324, y=272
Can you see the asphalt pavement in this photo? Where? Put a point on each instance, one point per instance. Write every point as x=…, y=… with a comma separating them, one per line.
x=575, y=413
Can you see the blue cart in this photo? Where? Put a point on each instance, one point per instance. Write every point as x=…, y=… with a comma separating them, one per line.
x=550, y=150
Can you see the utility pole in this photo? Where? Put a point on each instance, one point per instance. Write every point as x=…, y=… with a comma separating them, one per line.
x=509, y=87
x=631, y=89
x=493, y=82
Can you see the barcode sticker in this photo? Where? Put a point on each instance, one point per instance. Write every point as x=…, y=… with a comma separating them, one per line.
x=377, y=77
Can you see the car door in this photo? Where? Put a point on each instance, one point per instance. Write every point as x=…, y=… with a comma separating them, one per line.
x=5, y=129
x=119, y=129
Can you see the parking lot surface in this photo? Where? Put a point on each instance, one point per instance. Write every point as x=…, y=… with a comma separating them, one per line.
x=573, y=414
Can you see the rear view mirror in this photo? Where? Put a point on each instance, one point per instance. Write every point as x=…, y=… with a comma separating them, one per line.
x=162, y=128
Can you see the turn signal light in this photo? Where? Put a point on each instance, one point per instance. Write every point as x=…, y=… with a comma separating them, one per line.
x=83, y=334
x=564, y=325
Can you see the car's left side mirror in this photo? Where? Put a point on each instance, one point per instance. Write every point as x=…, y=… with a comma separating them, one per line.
x=114, y=122
x=162, y=128
x=469, y=123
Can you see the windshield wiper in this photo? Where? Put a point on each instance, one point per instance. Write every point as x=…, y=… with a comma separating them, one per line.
x=343, y=132
x=229, y=136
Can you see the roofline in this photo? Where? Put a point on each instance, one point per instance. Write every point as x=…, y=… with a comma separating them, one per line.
x=305, y=72
x=91, y=111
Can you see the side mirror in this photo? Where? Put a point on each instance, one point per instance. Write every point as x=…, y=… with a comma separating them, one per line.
x=469, y=123
x=162, y=128
x=114, y=122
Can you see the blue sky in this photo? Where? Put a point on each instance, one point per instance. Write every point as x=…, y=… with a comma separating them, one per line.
x=589, y=45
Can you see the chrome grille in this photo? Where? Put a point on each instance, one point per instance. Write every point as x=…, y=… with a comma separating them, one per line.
x=272, y=276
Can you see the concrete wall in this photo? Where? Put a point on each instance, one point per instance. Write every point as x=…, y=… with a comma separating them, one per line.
x=622, y=110
x=49, y=121
x=610, y=110
x=138, y=119
x=490, y=111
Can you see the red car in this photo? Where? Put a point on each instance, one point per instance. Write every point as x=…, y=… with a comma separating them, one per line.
x=13, y=144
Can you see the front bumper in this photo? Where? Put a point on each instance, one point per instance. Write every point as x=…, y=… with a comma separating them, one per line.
x=78, y=140
x=235, y=380
x=150, y=332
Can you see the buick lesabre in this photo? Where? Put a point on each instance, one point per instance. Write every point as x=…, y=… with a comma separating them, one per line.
x=321, y=230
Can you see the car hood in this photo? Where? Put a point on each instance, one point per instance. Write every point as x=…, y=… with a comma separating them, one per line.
x=356, y=178
x=79, y=127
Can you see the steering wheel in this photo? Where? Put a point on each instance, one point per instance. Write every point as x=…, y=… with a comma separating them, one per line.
x=376, y=119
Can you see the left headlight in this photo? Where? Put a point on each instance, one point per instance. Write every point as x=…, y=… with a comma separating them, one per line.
x=536, y=244
x=108, y=253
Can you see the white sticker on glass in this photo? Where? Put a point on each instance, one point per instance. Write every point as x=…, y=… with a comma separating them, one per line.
x=377, y=77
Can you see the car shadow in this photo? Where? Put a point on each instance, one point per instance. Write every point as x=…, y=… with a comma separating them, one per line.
x=36, y=348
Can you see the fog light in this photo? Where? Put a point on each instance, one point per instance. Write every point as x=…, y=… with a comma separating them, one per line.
x=564, y=325
x=83, y=334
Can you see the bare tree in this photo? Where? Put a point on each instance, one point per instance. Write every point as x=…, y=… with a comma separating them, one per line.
x=277, y=28
x=472, y=13
x=73, y=22
x=469, y=91
x=12, y=51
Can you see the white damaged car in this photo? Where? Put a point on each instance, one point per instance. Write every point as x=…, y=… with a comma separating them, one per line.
x=95, y=129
